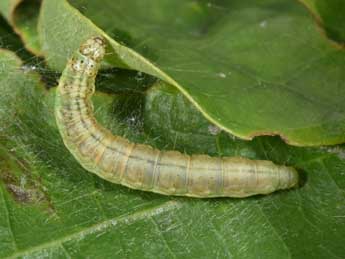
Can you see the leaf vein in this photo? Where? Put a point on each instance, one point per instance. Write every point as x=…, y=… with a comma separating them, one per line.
x=125, y=219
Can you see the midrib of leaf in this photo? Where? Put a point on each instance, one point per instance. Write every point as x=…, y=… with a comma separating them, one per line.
x=125, y=219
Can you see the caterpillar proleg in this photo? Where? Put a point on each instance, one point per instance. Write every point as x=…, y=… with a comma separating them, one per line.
x=140, y=166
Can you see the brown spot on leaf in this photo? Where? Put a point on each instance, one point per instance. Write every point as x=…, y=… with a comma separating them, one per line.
x=24, y=186
x=18, y=193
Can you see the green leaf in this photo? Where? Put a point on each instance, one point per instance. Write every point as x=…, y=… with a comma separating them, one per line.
x=51, y=207
x=330, y=15
x=23, y=16
x=7, y=7
x=251, y=68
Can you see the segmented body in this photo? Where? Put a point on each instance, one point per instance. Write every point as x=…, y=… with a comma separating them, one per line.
x=141, y=166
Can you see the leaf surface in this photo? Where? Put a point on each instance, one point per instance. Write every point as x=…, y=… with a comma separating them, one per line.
x=251, y=68
x=330, y=16
x=51, y=207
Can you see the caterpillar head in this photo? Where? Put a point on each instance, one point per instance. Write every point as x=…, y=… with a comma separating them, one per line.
x=94, y=48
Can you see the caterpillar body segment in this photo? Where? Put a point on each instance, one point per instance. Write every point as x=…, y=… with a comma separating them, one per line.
x=140, y=166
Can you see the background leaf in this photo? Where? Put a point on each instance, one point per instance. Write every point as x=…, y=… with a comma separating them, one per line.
x=23, y=16
x=249, y=67
x=330, y=16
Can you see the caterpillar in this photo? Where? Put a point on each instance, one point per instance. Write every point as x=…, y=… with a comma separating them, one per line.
x=143, y=167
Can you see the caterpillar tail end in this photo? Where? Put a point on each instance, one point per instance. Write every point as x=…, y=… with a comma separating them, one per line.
x=290, y=177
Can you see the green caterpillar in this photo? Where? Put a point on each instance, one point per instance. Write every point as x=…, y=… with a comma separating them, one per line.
x=141, y=166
